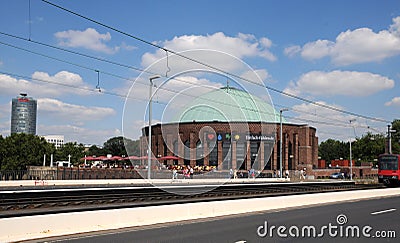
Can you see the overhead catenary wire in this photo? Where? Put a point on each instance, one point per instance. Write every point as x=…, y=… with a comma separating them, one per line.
x=70, y=86
x=161, y=88
x=216, y=68
x=95, y=58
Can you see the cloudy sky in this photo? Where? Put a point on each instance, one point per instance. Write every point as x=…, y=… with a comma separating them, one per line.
x=340, y=54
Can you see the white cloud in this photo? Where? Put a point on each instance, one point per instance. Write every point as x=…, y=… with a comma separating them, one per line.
x=329, y=123
x=43, y=85
x=291, y=51
x=347, y=83
x=5, y=127
x=5, y=119
x=354, y=46
x=79, y=134
x=5, y=110
x=89, y=39
x=394, y=102
x=317, y=49
x=165, y=91
x=256, y=75
x=74, y=113
x=243, y=45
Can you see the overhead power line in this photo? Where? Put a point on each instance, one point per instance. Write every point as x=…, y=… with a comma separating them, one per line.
x=328, y=123
x=215, y=68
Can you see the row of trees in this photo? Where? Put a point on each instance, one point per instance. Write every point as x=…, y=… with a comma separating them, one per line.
x=18, y=151
x=367, y=148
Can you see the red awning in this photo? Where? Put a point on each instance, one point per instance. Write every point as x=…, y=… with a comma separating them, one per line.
x=89, y=158
x=133, y=157
x=101, y=158
x=169, y=157
x=145, y=158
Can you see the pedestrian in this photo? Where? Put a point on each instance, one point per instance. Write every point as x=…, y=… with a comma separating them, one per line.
x=230, y=173
x=185, y=172
x=235, y=174
x=287, y=174
x=252, y=173
x=174, y=174
x=191, y=172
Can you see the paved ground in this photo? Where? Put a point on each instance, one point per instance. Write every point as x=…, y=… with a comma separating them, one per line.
x=374, y=216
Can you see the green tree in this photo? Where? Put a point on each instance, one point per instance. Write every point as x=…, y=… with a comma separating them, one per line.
x=369, y=147
x=2, y=150
x=132, y=147
x=396, y=137
x=94, y=150
x=333, y=149
x=77, y=151
x=22, y=150
x=116, y=146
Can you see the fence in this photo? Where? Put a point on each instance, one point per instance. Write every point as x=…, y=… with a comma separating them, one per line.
x=14, y=175
x=65, y=173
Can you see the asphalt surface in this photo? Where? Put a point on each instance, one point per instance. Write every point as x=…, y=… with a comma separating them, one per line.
x=360, y=221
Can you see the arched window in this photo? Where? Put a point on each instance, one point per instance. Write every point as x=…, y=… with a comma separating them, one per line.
x=199, y=153
x=213, y=156
x=241, y=155
x=226, y=155
x=175, y=148
x=187, y=153
x=254, y=156
x=268, y=154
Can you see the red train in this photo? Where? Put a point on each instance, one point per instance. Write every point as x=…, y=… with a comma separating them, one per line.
x=389, y=169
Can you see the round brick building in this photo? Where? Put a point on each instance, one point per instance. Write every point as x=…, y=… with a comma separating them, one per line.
x=230, y=129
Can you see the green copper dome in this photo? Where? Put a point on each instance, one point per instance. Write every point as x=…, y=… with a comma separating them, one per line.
x=227, y=105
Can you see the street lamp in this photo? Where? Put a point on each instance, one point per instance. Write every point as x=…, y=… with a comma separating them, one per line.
x=149, y=145
x=390, y=131
x=280, y=138
x=351, y=161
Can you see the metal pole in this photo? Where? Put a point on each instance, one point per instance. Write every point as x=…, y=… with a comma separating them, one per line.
x=351, y=160
x=388, y=140
x=351, y=164
x=280, y=142
x=390, y=131
x=150, y=115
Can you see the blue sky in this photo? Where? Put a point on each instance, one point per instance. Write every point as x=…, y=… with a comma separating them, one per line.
x=343, y=54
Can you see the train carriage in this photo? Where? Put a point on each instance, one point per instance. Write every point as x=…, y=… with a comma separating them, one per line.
x=389, y=169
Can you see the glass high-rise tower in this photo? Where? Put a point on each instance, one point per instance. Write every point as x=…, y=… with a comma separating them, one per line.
x=23, y=115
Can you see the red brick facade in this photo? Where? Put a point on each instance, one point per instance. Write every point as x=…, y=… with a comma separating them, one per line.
x=300, y=145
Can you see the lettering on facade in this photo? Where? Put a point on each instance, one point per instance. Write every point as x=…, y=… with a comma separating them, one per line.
x=257, y=137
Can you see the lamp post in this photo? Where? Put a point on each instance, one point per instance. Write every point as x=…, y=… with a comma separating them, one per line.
x=280, y=139
x=390, y=131
x=150, y=115
x=351, y=161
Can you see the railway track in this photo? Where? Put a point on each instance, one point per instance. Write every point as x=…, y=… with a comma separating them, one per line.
x=39, y=202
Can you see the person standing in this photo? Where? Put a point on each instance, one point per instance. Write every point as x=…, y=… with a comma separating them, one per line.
x=174, y=174
x=191, y=172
